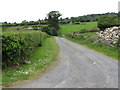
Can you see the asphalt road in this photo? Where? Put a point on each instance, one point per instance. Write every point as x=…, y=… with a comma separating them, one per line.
x=77, y=67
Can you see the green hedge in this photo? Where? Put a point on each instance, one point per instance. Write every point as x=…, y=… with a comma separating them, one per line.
x=107, y=21
x=39, y=25
x=18, y=46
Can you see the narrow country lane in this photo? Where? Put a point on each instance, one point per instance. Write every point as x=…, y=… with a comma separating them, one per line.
x=77, y=67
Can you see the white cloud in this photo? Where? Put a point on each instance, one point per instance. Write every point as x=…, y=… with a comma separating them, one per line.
x=18, y=10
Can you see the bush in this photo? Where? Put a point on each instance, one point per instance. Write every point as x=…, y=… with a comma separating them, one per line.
x=50, y=30
x=47, y=30
x=107, y=21
x=18, y=46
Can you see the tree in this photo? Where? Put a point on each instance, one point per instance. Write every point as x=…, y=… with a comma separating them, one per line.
x=72, y=20
x=39, y=21
x=25, y=23
x=53, y=22
x=66, y=21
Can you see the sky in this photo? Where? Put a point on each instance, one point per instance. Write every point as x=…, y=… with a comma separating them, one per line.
x=32, y=10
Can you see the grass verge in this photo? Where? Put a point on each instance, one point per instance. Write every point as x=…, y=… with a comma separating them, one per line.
x=87, y=39
x=41, y=58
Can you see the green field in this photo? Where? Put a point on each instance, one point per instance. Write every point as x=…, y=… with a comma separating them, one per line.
x=65, y=29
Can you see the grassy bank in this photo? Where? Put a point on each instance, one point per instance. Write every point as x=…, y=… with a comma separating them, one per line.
x=40, y=59
x=87, y=39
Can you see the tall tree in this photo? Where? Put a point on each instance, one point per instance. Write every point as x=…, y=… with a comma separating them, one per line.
x=53, y=22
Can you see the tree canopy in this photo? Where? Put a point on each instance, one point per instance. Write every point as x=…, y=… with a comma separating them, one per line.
x=53, y=22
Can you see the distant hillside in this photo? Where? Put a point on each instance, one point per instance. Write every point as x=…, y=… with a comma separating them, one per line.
x=85, y=18
x=73, y=20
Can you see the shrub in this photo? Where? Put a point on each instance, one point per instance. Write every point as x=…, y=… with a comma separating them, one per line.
x=47, y=30
x=50, y=30
x=107, y=21
x=18, y=46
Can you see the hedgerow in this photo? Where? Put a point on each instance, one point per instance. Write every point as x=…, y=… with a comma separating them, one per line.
x=107, y=21
x=38, y=27
x=18, y=46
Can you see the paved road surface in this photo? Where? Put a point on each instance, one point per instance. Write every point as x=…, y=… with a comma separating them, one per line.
x=77, y=67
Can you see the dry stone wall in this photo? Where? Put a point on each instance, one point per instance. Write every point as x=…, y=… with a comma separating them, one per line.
x=109, y=36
